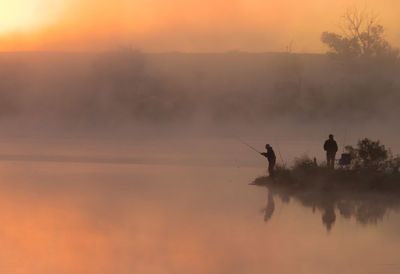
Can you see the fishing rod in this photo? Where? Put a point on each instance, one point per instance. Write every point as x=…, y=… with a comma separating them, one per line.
x=344, y=140
x=280, y=155
x=252, y=148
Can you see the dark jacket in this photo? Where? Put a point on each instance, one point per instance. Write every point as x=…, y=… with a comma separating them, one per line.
x=330, y=146
x=270, y=154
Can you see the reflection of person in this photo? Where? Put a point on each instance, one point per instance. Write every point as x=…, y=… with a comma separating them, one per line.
x=329, y=217
x=269, y=210
x=331, y=148
x=270, y=155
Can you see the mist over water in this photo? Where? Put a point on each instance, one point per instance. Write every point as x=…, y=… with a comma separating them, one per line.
x=126, y=86
x=125, y=162
x=161, y=219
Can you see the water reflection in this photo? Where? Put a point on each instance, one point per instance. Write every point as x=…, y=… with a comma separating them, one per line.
x=365, y=207
x=269, y=210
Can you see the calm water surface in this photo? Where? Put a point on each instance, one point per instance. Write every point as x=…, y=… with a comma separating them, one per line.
x=77, y=215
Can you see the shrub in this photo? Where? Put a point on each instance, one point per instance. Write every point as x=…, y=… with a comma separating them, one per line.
x=369, y=154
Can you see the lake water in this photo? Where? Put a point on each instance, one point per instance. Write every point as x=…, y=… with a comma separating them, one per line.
x=109, y=207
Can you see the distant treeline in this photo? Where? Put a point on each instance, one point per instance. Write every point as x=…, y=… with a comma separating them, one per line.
x=128, y=85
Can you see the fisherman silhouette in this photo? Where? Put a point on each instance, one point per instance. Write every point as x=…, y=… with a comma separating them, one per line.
x=270, y=155
x=331, y=148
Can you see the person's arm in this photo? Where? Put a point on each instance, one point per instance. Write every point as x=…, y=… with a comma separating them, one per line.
x=325, y=145
x=336, y=147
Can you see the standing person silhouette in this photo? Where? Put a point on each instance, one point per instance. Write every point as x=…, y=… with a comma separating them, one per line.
x=270, y=155
x=331, y=148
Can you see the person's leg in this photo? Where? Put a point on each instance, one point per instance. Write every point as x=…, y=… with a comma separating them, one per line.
x=331, y=161
x=271, y=171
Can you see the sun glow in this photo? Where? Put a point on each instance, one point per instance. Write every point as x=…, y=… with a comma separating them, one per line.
x=178, y=25
x=25, y=15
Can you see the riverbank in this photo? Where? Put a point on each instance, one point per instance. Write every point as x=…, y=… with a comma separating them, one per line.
x=325, y=179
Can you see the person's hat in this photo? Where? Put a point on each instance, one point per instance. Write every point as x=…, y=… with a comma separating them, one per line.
x=330, y=135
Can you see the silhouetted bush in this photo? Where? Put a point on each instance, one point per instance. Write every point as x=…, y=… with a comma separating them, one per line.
x=369, y=154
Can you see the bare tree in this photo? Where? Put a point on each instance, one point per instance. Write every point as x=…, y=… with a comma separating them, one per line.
x=361, y=36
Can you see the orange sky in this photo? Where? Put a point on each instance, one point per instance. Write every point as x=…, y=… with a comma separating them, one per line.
x=181, y=25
